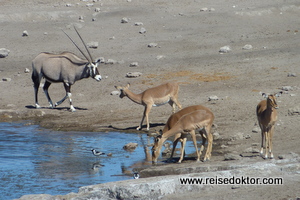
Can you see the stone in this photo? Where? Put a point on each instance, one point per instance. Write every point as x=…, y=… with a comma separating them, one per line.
x=294, y=111
x=116, y=92
x=225, y=49
x=110, y=61
x=134, y=64
x=231, y=156
x=292, y=75
x=25, y=33
x=213, y=98
x=124, y=20
x=216, y=136
x=6, y=79
x=97, y=9
x=152, y=44
x=142, y=30
x=287, y=88
x=4, y=52
x=138, y=23
x=247, y=47
x=256, y=129
x=133, y=74
x=26, y=70
x=93, y=45
x=130, y=146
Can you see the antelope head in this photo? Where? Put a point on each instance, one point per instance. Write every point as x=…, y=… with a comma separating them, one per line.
x=122, y=90
x=271, y=99
x=92, y=65
x=93, y=68
x=156, y=148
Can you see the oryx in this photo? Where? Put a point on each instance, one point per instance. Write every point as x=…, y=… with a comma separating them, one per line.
x=66, y=68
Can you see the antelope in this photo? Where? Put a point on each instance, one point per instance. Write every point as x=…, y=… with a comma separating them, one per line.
x=66, y=68
x=156, y=96
x=267, y=116
x=201, y=120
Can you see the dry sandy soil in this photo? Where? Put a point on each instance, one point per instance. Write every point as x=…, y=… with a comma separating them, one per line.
x=188, y=51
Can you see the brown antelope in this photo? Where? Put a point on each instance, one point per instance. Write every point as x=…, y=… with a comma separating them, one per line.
x=267, y=117
x=200, y=119
x=156, y=96
x=63, y=68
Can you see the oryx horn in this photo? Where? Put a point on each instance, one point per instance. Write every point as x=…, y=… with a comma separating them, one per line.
x=84, y=44
x=77, y=47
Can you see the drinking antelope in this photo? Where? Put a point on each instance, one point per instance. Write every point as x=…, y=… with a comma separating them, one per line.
x=267, y=116
x=66, y=68
x=200, y=119
x=156, y=96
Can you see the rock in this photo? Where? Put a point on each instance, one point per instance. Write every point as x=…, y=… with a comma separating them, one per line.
x=133, y=74
x=231, y=156
x=251, y=150
x=109, y=154
x=116, y=92
x=152, y=44
x=25, y=33
x=247, y=47
x=4, y=52
x=138, y=24
x=97, y=9
x=256, y=129
x=134, y=64
x=294, y=111
x=124, y=20
x=6, y=79
x=26, y=70
x=216, y=136
x=142, y=30
x=238, y=136
x=203, y=9
x=292, y=75
x=160, y=57
x=93, y=45
x=110, y=61
x=287, y=88
x=130, y=146
x=213, y=98
x=225, y=49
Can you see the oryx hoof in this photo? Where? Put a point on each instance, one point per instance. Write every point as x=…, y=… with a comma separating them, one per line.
x=37, y=106
x=138, y=128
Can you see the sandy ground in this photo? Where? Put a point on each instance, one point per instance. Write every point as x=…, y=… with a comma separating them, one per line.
x=188, y=42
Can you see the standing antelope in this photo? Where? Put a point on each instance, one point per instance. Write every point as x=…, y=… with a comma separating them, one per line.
x=182, y=137
x=201, y=120
x=267, y=117
x=66, y=68
x=156, y=96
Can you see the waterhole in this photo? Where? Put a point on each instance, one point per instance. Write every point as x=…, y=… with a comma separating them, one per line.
x=39, y=161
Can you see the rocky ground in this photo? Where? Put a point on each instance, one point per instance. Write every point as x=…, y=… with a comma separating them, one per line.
x=185, y=38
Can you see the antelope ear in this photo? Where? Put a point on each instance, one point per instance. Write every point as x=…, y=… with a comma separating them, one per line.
x=278, y=94
x=118, y=87
x=264, y=95
x=98, y=60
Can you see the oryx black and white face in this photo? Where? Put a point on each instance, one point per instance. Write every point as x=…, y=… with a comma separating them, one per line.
x=94, y=73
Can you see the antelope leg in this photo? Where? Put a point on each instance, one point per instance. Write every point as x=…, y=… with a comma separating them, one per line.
x=45, y=88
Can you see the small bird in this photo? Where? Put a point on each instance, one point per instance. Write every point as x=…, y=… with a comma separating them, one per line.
x=97, y=153
x=136, y=175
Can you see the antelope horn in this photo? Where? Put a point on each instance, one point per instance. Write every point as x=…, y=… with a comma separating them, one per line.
x=77, y=46
x=84, y=44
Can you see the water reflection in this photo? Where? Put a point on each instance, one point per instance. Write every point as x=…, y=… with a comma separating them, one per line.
x=35, y=160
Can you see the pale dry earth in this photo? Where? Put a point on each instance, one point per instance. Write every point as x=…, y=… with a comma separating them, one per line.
x=188, y=42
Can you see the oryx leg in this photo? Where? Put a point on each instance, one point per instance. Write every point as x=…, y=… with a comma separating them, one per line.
x=36, y=80
x=68, y=95
x=45, y=88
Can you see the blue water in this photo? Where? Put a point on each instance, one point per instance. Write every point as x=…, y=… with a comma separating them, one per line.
x=35, y=160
